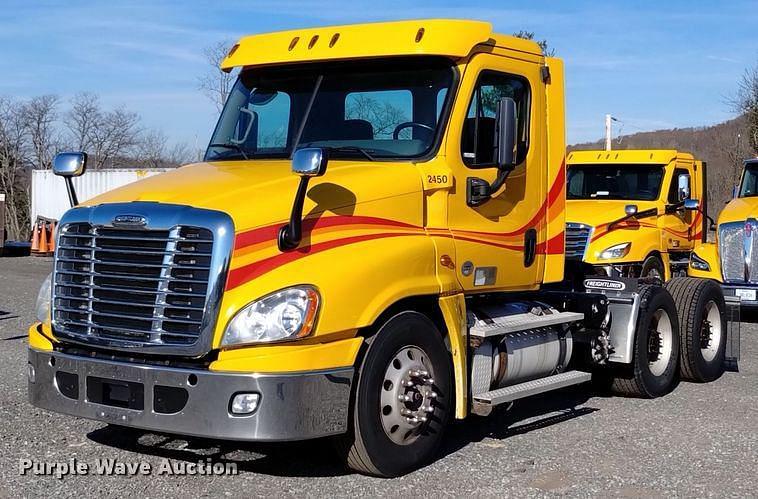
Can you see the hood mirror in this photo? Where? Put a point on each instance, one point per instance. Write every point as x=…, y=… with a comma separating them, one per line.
x=69, y=165
x=691, y=204
x=307, y=162
x=630, y=210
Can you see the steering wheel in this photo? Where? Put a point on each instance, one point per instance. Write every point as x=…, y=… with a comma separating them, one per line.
x=409, y=124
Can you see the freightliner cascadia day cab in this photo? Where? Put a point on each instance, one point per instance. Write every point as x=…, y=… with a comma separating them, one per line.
x=373, y=246
x=628, y=212
x=733, y=258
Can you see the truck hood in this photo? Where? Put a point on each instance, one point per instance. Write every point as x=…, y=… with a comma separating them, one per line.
x=739, y=210
x=596, y=212
x=256, y=193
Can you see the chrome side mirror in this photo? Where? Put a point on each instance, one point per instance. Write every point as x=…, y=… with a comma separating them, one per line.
x=307, y=162
x=505, y=134
x=630, y=209
x=70, y=164
x=683, y=185
x=310, y=162
x=691, y=204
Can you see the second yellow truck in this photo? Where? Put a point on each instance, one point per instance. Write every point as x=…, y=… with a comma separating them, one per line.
x=627, y=214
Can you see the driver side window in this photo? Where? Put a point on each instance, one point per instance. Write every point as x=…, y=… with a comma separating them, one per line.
x=478, y=140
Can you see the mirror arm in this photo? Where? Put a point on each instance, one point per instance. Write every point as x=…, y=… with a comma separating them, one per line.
x=72, y=199
x=291, y=234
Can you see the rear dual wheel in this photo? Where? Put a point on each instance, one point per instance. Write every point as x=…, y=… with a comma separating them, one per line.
x=656, y=347
x=701, y=308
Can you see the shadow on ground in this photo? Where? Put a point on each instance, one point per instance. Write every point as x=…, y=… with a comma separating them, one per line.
x=319, y=458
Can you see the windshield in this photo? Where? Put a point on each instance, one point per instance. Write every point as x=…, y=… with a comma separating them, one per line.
x=637, y=182
x=379, y=109
x=749, y=187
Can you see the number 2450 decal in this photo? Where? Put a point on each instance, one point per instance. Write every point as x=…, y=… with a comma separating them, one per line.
x=436, y=179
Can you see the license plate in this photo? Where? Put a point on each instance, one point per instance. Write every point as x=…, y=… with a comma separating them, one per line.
x=745, y=294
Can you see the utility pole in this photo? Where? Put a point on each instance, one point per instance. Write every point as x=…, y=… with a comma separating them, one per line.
x=608, y=131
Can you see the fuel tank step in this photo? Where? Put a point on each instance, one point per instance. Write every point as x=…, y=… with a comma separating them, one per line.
x=521, y=322
x=484, y=402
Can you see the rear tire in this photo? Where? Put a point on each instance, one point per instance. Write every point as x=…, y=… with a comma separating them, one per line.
x=702, y=319
x=389, y=436
x=653, y=267
x=656, y=347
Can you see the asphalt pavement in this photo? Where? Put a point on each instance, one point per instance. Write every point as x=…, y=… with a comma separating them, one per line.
x=700, y=440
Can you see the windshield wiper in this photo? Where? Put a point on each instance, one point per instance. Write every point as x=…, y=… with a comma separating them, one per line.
x=230, y=145
x=357, y=149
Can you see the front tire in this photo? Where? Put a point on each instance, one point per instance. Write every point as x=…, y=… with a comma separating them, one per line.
x=701, y=307
x=403, y=400
x=653, y=267
x=656, y=347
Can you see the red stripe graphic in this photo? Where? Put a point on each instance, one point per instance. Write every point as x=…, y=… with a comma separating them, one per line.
x=246, y=273
x=271, y=232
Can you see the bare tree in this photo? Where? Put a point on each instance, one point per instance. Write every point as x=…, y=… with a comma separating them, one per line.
x=39, y=116
x=14, y=173
x=747, y=104
x=529, y=35
x=114, y=137
x=82, y=118
x=215, y=83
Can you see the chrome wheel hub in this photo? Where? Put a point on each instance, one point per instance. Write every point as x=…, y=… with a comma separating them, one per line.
x=407, y=395
x=710, y=332
x=660, y=343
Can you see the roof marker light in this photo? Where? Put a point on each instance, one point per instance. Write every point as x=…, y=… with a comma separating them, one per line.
x=294, y=42
x=313, y=41
x=419, y=34
x=334, y=39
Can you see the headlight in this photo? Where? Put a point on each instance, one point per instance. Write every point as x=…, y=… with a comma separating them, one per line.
x=698, y=263
x=616, y=251
x=43, y=299
x=285, y=315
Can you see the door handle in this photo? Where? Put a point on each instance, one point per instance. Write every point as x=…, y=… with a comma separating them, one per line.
x=530, y=247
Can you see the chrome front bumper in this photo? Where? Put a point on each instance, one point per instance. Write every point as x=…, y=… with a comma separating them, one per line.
x=295, y=406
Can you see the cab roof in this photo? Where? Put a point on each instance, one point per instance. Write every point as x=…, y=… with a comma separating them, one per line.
x=443, y=37
x=628, y=156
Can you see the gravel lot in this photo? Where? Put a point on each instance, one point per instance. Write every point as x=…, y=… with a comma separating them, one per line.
x=701, y=440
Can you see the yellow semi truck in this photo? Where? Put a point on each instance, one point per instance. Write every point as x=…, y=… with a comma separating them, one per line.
x=627, y=214
x=373, y=246
x=729, y=259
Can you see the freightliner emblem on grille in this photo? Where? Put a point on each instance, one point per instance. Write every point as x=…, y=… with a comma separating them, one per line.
x=130, y=220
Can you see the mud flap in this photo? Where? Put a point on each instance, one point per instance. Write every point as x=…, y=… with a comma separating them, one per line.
x=732, y=353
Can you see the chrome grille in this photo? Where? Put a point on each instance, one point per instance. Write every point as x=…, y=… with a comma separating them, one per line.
x=732, y=251
x=577, y=237
x=153, y=288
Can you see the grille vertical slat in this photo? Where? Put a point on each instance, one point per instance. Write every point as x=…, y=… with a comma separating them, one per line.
x=141, y=287
x=577, y=237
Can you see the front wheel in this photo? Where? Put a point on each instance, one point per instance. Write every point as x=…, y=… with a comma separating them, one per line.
x=656, y=347
x=652, y=267
x=403, y=399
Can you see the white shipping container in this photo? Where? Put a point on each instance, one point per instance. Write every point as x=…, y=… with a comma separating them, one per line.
x=50, y=198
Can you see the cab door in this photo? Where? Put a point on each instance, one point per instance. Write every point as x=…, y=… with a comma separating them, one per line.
x=500, y=243
x=679, y=228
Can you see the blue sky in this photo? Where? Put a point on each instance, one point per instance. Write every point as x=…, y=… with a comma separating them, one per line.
x=653, y=64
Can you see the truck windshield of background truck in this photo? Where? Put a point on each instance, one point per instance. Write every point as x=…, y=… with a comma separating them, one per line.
x=633, y=182
x=749, y=187
x=380, y=109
